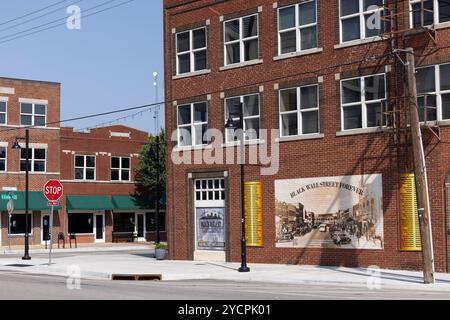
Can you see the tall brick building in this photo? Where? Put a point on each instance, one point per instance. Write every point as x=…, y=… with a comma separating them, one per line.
x=324, y=74
x=102, y=201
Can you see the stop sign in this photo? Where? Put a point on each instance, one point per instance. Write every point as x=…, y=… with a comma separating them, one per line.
x=53, y=190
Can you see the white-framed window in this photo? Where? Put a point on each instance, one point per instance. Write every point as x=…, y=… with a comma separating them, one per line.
x=209, y=189
x=299, y=111
x=360, y=19
x=85, y=167
x=17, y=224
x=192, y=124
x=433, y=91
x=3, y=111
x=241, y=39
x=191, y=50
x=3, y=159
x=362, y=102
x=297, y=27
x=120, y=168
x=33, y=114
x=434, y=12
x=37, y=159
x=251, y=112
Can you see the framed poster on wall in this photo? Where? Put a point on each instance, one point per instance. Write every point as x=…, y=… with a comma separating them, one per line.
x=210, y=229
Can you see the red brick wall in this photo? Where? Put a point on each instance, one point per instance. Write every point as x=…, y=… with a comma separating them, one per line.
x=330, y=156
x=50, y=136
x=99, y=143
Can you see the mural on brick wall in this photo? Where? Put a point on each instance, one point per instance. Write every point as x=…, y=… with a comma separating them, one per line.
x=330, y=212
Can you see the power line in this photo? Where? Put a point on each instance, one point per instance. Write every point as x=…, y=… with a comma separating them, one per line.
x=132, y=116
x=158, y=104
x=31, y=13
x=64, y=23
x=38, y=17
x=152, y=106
x=54, y=21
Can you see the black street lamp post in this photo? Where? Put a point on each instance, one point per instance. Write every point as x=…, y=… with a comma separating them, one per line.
x=17, y=146
x=230, y=125
x=154, y=153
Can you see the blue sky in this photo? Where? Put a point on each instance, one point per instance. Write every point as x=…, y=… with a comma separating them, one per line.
x=108, y=64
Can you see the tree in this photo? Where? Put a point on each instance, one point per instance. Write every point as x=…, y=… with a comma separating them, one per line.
x=146, y=168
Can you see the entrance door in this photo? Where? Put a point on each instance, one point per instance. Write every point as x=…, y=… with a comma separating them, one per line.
x=210, y=237
x=99, y=228
x=45, y=228
x=140, y=227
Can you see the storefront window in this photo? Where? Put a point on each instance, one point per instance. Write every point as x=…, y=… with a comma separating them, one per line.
x=81, y=223
x=17, y=224
x=124, y=222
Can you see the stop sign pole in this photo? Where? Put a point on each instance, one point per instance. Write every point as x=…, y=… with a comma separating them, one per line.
x=53, y=191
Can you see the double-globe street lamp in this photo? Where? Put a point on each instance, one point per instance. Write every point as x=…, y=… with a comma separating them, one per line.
x=17, y=146
x=230, y=125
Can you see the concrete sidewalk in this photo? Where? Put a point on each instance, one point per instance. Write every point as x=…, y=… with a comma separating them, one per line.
x=18, y=250
x=104, y=266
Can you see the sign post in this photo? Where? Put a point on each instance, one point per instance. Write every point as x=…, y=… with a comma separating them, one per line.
x=10, y=209
x=53, y=191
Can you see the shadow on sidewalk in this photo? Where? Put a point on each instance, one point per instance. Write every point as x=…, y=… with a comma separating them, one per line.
x=390, y=276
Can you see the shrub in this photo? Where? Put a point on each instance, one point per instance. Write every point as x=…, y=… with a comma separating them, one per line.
x=161, y=246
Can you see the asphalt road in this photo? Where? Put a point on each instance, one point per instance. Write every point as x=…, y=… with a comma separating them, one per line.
x=19, y=286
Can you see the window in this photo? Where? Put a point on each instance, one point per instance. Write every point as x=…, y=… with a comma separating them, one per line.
x=32, y=114
x=191, y=51
x=360, y=19
x=81, y=222
x=3, y=159
x=120, y=169
x=84, y=167
x=17, y=224
x=241, y=40
x=430, y=15
x=299, y=111
x=433, y=92
x=150, y=221
x=210, y=190
x=3, y=106
x=192, y=124
x=124, y=222
x=36, y=158
x=297, y=27
x=362, y=101
x=250, y=110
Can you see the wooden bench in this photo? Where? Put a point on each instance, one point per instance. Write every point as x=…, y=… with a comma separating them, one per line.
x=124, y=237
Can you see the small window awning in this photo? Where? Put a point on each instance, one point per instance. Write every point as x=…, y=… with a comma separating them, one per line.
x=131, y=202
x=89, y=203
x=36, y=202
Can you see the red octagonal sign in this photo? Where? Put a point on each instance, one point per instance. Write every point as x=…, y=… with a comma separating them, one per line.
x=53, y=190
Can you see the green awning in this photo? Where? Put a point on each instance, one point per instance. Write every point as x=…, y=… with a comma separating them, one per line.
x=133, y=203
x=91, y=203
x=36, y=201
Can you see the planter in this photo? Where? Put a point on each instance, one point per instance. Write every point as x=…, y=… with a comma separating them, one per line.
x=160, y=254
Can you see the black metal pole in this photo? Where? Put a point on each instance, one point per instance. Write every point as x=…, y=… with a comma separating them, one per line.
x=244, y=267
x=158, y=238
x=27, y=162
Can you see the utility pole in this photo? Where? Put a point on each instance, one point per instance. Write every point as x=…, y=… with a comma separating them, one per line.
x=420, y=173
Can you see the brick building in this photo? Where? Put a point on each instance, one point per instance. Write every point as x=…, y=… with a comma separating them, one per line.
x=324, y=75
x=102, y=201
x=22, y=103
